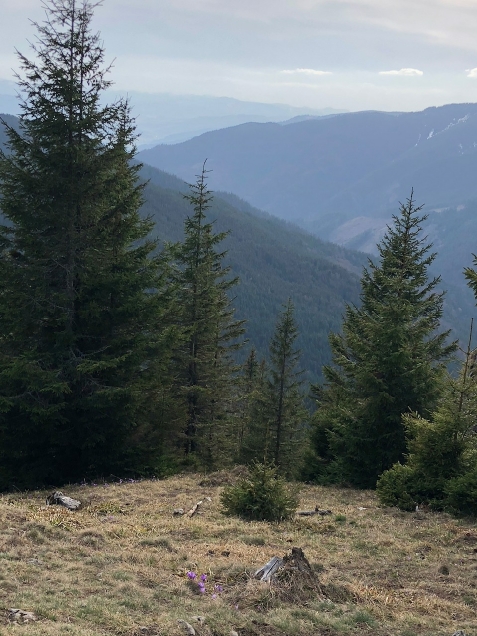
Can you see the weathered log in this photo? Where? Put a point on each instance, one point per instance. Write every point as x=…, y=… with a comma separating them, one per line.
x=268, y=570
x=59, y=499
x=194, y=509
x=20, y=616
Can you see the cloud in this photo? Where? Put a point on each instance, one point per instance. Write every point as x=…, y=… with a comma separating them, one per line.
x=405, y=72
x=306, y=71
x=471, y=72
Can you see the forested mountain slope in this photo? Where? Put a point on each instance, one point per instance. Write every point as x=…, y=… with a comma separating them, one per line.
x=274, y=261
x=268, y=249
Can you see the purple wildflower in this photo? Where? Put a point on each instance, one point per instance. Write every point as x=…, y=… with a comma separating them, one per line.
x=191, y=575
x=214, y=596
x=218, y=588
x=203, y=577
x=201, y=584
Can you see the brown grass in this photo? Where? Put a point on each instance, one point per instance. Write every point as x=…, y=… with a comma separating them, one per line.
x=118, y=565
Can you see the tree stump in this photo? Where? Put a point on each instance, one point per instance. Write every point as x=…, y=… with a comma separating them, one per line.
x=291, y=577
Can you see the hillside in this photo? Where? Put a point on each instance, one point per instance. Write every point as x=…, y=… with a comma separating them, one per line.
x=265, y=250
x=274, y=261
x=340, y=177
x=119, y=565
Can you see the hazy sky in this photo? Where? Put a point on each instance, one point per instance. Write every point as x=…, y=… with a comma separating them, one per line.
x=355, y=54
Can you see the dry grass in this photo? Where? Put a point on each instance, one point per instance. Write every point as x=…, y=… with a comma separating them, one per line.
x=118, y=565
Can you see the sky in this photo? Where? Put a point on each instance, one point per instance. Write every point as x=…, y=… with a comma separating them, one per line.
x=347, y=54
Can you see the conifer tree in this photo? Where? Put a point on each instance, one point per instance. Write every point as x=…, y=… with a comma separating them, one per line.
x=276, y=416
x=79, y=290
x=207, y=369
x=286, y=412
x=388, y=360
x=253, y=431
x=441, y=466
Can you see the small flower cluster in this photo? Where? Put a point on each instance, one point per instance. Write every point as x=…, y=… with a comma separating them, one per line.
x=201, y=584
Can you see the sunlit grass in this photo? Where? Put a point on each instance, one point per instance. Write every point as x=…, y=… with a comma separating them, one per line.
x=119, y=565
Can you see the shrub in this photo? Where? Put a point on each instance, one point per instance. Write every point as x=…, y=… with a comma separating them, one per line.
x=395, y=487
x=461, y=493
x=262, y=496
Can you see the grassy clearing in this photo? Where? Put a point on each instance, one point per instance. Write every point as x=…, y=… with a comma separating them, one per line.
x=119, y=565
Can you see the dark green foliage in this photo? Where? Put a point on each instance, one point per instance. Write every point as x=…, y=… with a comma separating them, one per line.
x=460, y=494
x=442, y=461
x=275, y=412
x=206, y=369
x=262, y=496
x=284, y=398
x=274, y=261
x=399, y=487
x=252, y=410
x=389, y=360
x=441, y=467
x=82, y=312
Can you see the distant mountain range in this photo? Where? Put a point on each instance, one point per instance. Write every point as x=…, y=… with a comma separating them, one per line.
x=164, y=118
x=168, y=118
x=342, y=177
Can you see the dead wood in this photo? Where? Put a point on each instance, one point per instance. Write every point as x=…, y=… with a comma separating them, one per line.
x=291, y=578
x=316, y=511
x=20, y=616
x=59, y=499
x=194, y=509
x=190, y=631
x=266, y=572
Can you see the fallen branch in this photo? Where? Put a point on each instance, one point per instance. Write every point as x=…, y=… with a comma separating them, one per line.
x=194, y=509
x=316, y=511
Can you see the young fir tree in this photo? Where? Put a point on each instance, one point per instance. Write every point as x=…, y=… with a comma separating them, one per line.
x=441, y=466
x=207, y=369
x=388, y=360
x=286, y=411
x=78, y=316
x=253, y=418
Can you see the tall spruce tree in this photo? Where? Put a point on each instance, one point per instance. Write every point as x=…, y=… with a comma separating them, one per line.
x=207, y=369
x=79, y=308
x=388, y=360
